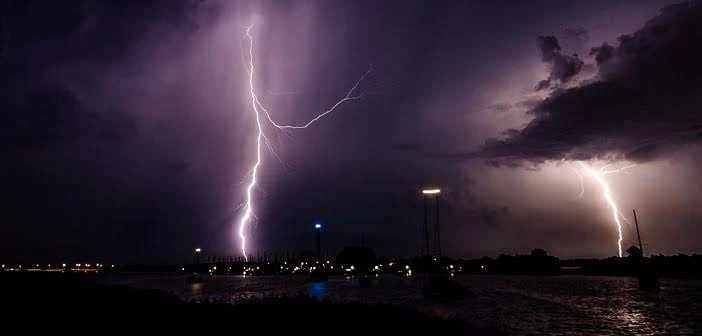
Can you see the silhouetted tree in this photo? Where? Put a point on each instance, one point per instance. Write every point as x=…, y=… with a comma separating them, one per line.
x=539, y=252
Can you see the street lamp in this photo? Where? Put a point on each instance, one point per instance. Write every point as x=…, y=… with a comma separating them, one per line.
x=317, y=238
x=429, y=192
x=197, y=255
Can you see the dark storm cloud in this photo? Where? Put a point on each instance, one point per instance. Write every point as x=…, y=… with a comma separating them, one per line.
x=35, y=113
x=576, y=33
x=563, y=67
x=602, y=53
x=177, y=167
x=408, y=147
x=543, y=85
x=81, y=159
x=527, y=104
x=499, y=108
x=39, y=109
x=645, y=104
x=492, y=215
x=41, y=117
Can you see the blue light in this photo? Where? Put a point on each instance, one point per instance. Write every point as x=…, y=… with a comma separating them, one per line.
x=318, y=226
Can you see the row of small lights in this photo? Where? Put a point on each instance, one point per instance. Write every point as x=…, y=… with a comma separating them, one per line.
x=303, y=263
x=351, y=268
x=62, y=266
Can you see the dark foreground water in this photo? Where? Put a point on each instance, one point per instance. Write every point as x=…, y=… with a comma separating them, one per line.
x=521, y=305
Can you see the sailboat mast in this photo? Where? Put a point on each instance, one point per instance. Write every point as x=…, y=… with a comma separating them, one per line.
x=638, y=234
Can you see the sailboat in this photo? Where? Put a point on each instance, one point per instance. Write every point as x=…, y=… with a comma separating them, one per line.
x=648, y=279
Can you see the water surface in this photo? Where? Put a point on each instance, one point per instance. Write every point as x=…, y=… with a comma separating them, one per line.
x=522, y=305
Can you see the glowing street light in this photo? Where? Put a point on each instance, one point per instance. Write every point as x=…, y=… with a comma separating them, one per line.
x=318, y=238
x=429, y=192
x=197, y=255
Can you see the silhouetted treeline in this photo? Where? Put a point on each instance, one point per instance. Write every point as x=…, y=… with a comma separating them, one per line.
x=538, y=262
x=680, y=265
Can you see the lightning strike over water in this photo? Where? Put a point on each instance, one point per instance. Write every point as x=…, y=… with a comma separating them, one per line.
x=258, y=109
x=598, y=176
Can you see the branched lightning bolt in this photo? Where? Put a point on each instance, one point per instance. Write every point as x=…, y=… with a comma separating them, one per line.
x=582, y=183
x=248, y=206
x=349, y=96
x=258, y=110
x=619, y=170
x=598, y=176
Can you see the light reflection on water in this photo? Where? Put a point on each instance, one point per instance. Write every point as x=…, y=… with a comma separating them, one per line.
x=317, y=290
x=563, y=305
x=196, y=289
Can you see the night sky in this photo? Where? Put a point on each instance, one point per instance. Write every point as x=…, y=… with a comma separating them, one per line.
x=127, y=131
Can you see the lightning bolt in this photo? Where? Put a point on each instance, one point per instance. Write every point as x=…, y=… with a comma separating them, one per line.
x=607, y=192
x=582, y=183
x=260, y=111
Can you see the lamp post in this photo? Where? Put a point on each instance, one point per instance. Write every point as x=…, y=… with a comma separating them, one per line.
x=427, y=193
x=317, y=238
x=197, y=255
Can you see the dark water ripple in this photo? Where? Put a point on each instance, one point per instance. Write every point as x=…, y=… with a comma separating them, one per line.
x=523, y=305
